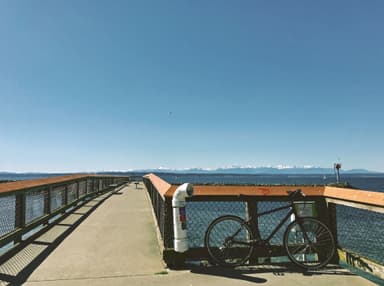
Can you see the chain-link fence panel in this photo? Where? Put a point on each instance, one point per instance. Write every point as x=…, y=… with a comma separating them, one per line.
x=7, y=214
x=82, y=188
x=71, y=192
x=201, y=214
x=361, y=231
x=57, y=197
x=96, y=185
x=122, y=180
x=105, y=183
x=89, y=186
x=267, y=223
x=34, y=205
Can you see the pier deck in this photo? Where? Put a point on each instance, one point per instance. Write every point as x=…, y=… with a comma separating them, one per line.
x=111, y=240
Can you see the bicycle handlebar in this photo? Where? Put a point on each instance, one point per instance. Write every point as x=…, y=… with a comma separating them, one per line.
x=295, y=194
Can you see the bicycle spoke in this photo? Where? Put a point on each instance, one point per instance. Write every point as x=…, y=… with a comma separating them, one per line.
x=317, y=244
x=228, y=241
x=322, y=232
x=296, y=251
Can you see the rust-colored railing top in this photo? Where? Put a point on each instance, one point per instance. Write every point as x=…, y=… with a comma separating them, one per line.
x=358, y=196
x=27, y=184
x=236, y=190
x=352, y=195
x=161, y=186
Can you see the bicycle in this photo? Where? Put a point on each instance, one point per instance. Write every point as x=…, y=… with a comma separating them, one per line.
x=308, y=242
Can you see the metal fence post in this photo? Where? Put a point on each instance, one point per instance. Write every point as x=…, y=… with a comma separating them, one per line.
x=251, y=212
x=332, y=215
x=47, y=200
x=327, y=214
x=20, y=213
x=77, y=190
x=333, y=220
x=65, y=195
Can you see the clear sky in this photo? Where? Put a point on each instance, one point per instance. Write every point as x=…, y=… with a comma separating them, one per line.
x=117, y=85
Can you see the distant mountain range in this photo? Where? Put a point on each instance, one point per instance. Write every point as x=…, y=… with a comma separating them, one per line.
x=249, y=171
x=256, y=170
x=227, y=170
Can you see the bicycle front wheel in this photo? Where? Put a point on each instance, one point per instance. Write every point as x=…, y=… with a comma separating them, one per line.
x=309, y=243
x=229, y=241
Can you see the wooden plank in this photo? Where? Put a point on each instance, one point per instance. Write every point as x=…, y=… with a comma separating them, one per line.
x=230, y=191
x=28, y=184
x=358, y=196
x=356, y=205
x=161, y=186
x=11, y=187
x=257, y=191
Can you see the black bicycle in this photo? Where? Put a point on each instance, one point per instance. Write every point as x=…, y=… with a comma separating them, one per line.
x=308, y=242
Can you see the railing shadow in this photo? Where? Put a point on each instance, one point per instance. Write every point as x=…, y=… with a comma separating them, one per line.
x=117, y=193
x=31, y=261
x=244, y=272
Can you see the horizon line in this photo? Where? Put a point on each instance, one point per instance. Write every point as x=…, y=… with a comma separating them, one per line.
x=170, y=170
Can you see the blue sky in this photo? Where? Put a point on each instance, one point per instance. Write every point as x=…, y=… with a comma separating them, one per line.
x=117, y=85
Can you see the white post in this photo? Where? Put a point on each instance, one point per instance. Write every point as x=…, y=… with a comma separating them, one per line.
x=179, y=217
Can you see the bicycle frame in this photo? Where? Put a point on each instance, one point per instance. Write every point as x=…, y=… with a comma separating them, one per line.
x=276, y=229
x=308, y=242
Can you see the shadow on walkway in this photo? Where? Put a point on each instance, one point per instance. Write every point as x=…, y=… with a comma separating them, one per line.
x=19, y=263
x=228, y=273
x=244, y=272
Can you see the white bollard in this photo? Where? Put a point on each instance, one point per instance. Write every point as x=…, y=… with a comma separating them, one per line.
x=179, y=217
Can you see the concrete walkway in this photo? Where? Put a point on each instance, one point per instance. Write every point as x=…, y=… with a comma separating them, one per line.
x=117, y=245
x=117, y=240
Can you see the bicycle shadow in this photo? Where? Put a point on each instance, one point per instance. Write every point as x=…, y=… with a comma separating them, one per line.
x=245, y=272
x=231, y=273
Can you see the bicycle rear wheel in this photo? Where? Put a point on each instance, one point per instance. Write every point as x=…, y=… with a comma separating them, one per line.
x=309, y=243
x=228, y=241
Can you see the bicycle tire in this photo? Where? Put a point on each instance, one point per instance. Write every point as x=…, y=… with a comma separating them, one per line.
x=224, y=250
x=309, y=243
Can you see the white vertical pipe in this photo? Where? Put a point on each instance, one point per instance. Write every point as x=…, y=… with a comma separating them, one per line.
x=179, y=217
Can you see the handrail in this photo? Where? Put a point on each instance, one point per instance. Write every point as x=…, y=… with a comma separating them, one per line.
x=356, y=196
x=256, y=191
x=345, y=194
x=10, y=187
x=55, y=196
x=161, y=186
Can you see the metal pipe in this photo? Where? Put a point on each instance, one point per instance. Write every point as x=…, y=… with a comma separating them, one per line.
x=179, y=217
